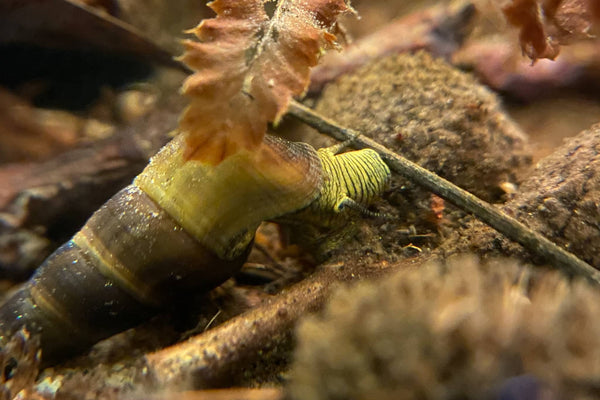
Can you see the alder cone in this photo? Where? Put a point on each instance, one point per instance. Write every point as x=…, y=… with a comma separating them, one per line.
x=250, y=60
x=434, y=115
x=457, y=329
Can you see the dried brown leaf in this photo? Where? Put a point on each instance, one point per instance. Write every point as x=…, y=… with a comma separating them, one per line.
x=535, y=41
x=546, y=24
x=250, y=61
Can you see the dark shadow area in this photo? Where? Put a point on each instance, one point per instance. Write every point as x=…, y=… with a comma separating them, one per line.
x=67, y=79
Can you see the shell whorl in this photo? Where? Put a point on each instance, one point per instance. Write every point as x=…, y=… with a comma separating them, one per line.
x=130, y=259
x=221, y=206
x=181, y=227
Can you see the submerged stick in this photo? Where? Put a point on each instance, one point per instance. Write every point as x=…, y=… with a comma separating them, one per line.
x=508, y=226
x=215, y=357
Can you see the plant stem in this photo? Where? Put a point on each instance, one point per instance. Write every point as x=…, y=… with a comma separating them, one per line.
x=508, y=226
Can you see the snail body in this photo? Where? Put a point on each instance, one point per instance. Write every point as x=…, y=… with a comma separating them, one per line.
x=181, y=226
x=351, y=181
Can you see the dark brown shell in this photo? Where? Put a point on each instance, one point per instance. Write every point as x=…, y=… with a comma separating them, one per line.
x=181, y=227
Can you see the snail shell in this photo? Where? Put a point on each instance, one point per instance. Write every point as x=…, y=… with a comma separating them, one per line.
x=180, y=226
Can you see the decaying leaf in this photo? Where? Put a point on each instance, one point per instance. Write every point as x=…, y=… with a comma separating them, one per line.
x=546, y=24
x=535, y=41
x=250, y=60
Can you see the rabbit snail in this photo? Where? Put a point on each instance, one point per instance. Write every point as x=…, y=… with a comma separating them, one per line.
x=182, y=226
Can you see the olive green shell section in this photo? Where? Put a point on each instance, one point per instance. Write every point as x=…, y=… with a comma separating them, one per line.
x=221, y=206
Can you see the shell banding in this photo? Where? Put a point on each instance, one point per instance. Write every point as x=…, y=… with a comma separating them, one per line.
x=180, y=226
x=184, y=226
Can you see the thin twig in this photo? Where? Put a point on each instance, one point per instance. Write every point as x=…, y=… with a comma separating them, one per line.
x=212, y=320
x=218, y=354
x=229, y=352
x=510, y=227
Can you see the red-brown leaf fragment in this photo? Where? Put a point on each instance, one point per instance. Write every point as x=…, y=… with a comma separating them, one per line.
x=546, y=24
x=250, y=61
x=535, y=41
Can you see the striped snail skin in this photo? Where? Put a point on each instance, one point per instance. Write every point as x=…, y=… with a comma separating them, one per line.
x=351, y=182
x=355, y=180
x=180, y=227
